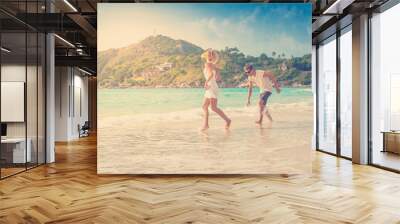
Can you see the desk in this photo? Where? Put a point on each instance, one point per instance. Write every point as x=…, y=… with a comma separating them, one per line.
x=18, y=149
x=391, y=141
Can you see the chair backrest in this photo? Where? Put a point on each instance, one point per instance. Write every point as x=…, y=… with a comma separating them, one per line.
x=86, y=125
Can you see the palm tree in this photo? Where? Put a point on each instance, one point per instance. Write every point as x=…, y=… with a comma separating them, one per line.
x=273, y=53
x=263, y=57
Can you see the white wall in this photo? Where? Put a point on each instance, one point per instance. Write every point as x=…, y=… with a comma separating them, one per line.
x=33, y=126
x=62, y=82
x=15, y=73
x=12, y=101
x=80, y=105
x=11, y=73
x=70, y=84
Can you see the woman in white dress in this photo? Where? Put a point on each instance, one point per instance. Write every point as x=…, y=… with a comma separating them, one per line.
x=211, y=94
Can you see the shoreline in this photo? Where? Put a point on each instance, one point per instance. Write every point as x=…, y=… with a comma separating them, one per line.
x=122, y=102
x=303, y=105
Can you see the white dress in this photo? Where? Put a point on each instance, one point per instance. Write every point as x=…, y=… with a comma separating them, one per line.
x=212, y=91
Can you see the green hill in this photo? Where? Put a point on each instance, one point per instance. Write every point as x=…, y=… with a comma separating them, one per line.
x=160, y=61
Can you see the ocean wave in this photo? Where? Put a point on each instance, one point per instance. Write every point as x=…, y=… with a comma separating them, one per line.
x=197, y=114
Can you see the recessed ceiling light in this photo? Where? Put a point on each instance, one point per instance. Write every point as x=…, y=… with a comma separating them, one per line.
x=337, y=7
x=5, y=50
x=70, y=5
x=84, y=71
x=64, y=40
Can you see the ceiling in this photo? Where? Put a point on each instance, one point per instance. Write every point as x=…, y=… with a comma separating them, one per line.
x=75, y=21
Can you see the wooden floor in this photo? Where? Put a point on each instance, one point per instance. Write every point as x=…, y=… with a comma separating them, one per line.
x=69, y=191
x=5, y=172
x=387, y=159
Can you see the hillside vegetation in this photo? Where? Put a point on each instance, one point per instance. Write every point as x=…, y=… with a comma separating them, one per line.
x=160, y=61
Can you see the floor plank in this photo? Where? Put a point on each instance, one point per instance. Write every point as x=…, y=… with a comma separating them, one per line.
x=70, y=191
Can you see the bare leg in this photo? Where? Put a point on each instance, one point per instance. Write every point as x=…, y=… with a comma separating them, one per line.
x=268, y=115
x=261, y=111
x=215, y=108
x=206, y=103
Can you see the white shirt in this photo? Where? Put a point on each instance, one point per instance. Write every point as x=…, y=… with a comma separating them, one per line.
x=264, y=83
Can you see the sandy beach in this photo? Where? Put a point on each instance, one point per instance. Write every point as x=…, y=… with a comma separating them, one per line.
x=172, y=143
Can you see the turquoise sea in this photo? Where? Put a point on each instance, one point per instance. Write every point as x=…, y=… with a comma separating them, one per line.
x=118, y=102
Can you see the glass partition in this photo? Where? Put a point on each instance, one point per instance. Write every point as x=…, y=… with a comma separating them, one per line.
x=22, y=107
x=41, y=112
x=32, y=98
x=33, y=57
x=13, y=105
x=385, y=89
x=346, y=92
x=327, y=95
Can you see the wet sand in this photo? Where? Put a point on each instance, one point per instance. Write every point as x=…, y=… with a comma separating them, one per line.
x=172, y=143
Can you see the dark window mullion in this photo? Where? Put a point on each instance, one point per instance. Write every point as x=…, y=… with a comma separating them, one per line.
x=317, y=96
x=338, y=81
x=37, y=91
x=369, y=90
x=26, y=88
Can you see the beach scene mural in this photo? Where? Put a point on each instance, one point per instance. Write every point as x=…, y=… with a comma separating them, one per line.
x=204, y=88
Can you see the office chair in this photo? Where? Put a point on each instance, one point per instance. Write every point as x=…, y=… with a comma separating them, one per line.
x=84, y=130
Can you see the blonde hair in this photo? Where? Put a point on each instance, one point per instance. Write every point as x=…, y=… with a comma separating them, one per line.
x=205, y=55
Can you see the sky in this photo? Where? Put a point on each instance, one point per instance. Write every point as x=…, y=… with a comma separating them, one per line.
x=253, y=28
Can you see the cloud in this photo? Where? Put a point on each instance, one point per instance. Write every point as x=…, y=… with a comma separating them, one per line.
x=246, y=33
x=254, y=31
x=284, y=43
